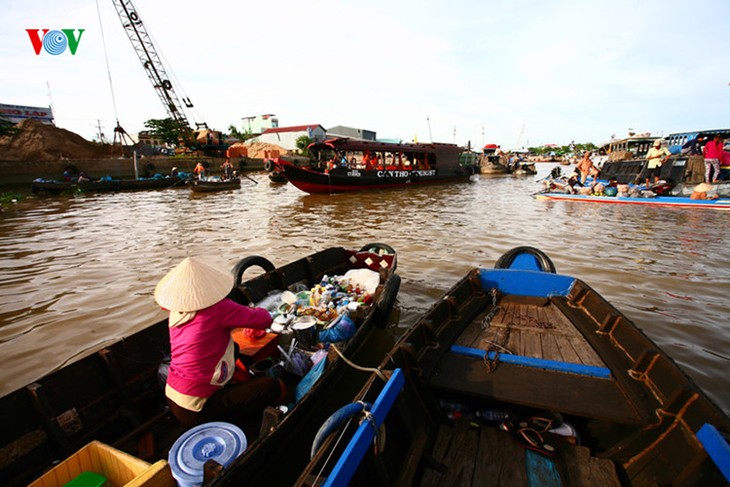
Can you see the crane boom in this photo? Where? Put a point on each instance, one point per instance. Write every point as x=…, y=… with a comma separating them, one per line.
x=153, y=66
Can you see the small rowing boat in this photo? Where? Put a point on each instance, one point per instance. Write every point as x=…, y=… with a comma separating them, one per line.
x=520, y=376
x=213, y=185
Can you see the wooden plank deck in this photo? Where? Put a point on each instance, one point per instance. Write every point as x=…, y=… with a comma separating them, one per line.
x=537, y=330
x=486, y=456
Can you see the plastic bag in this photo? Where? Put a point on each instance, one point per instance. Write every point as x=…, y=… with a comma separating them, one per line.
x=308, y=380
x=342, y=329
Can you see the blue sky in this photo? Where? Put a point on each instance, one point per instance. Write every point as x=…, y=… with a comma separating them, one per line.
x=509, y=72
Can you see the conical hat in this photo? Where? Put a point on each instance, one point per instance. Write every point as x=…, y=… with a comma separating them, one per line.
x=703, y=188
x=192, y=285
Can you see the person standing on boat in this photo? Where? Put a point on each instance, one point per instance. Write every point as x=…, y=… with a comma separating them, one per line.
x=586, y=168
x=227, y=169
x=655, y=157
x=713, y=153
x=199, y=171
x=199, y=388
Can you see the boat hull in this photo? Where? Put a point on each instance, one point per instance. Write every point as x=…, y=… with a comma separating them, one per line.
x=662, y=201
x=213, y=186
x=57, y=187
x=341, y=180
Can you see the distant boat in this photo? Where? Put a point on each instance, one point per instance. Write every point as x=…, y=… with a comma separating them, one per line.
x=212, y=185
x=344, y=165
x=106, y=185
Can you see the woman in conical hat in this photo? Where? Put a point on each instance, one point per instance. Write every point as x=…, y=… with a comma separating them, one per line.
x=199, y=387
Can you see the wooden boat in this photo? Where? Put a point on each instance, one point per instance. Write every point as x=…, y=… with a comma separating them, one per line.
x=115, y=396
x=627, y=165
x=520, y=376
x=343, y=165
x=665, y=201
x=212, y=185
x=106, y=185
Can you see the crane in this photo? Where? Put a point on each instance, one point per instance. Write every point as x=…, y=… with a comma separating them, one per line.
x=202, y=137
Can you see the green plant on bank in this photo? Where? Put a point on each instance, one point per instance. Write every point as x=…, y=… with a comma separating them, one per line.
x=302, y=144
x=9, y=197
x=7, y=128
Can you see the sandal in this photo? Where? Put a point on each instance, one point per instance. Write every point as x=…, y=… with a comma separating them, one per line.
x=528, y=438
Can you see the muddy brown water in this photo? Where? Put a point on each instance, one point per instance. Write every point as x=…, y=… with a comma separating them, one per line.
x=78, y=272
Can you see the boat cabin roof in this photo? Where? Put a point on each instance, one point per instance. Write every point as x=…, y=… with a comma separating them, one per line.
x=348, y=144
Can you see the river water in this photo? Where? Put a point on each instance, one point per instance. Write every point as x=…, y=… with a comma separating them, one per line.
x=78, y=272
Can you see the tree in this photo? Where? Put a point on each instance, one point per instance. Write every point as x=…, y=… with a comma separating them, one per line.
x=240, y=135
x=302, y=144
x=166, y=129
x=7, y=128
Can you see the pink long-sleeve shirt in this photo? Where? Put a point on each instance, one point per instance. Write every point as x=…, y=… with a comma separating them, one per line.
x=713, y=150
x=202, y=350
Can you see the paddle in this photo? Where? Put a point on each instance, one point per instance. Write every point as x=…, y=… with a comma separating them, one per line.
x=255, y=182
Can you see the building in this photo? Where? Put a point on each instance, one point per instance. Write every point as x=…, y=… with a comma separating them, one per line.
x=18, y=113
x=260, y=123
x=286, y=137
x=352, y=133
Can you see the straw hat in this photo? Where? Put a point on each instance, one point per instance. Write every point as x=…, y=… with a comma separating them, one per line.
x=192, y=285
x=702, y=188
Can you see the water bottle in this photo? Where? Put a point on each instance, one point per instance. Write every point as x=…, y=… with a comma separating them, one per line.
x=492, y=415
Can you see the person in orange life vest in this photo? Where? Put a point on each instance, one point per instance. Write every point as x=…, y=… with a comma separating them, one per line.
x=199, y=388
x=367, y=160
x=199, y=171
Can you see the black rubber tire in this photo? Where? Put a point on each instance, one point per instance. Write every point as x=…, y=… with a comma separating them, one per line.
x=269, y=165
x=248, y=262
x=378, y=246
x=508, y=257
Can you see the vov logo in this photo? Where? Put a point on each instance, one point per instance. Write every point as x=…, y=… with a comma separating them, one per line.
x=55, y=42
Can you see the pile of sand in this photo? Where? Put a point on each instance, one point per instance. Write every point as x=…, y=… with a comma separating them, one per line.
x=36, y=141
x=257, y=150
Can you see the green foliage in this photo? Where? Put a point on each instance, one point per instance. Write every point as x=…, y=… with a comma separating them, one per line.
x=566, y=149
x=166, y=129
x=240, y=135
x=10, y=198
x=7, y=128
x=302, y=144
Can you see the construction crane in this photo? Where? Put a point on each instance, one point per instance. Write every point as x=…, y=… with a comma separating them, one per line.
x=202, y=138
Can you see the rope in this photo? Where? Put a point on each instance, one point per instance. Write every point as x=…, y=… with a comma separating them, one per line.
x=376, y=371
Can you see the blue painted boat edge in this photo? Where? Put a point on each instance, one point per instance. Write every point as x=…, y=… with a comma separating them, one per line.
x=350, y=459
x=716, y=447
x=538, y=363
x=526, y=283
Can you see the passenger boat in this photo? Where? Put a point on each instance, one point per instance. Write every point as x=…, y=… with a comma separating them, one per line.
x=343, y=164
x=212, y=185
x=106, y=185
x=490, y=162
x=521, y=376
x=115, y=395
x=665, y=201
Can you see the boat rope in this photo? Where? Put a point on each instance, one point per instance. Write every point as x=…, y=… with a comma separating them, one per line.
x=494, y=346
x=374, y=370
x=106, y=58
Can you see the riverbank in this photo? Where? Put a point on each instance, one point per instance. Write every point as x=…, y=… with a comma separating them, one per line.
x=16, y=173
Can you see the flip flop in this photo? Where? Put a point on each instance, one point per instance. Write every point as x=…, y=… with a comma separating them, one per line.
x=528, y=438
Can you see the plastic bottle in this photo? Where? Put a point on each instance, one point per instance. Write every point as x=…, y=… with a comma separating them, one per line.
x=492, y=415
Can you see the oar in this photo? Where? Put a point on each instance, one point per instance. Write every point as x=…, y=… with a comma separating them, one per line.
x=255, y=182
